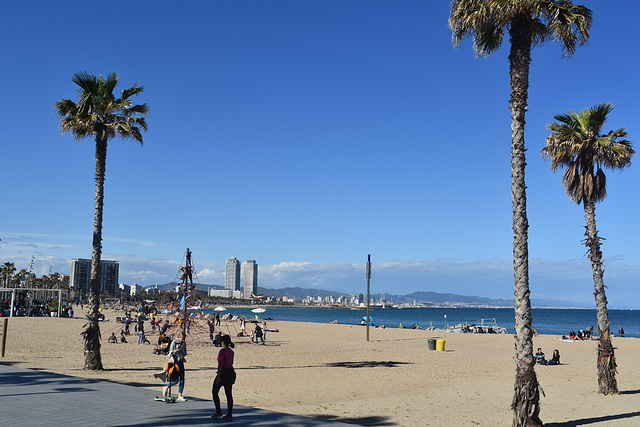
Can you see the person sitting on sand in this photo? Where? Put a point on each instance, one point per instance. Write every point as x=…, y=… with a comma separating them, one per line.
x=113, y=339
x=217, y=341
x=572, y=334
x=540, y=360
x=555, y=359
x=123, y=338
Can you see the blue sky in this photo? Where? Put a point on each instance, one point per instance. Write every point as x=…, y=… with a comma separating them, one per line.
x=306, y=135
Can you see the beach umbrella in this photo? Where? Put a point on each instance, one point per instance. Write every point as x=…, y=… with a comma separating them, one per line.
x=365, y=318
x=220, y=309
x=258, y=310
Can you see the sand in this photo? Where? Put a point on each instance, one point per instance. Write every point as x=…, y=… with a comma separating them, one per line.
x=332, y=371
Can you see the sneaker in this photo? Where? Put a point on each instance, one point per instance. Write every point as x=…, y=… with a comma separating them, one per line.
x=216, y=415
x=181, y=399
x=164, y=392
x=228, y=416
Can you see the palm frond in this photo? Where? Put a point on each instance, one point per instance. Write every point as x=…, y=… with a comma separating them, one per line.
x=133, y=90
x=480, y=20
x=568, y=23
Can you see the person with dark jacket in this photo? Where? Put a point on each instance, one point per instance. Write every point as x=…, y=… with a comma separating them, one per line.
x=555, y=359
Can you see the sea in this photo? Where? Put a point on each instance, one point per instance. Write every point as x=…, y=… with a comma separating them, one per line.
x=549, y=321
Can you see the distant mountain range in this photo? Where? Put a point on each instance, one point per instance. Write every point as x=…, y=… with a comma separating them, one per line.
x=417, y=297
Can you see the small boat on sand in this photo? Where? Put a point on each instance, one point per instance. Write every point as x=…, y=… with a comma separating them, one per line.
x=482, y=326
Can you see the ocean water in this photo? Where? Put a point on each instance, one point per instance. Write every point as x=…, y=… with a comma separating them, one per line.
x=546, y=321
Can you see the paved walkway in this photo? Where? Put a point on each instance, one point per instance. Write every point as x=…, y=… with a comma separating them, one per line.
x=39, y=398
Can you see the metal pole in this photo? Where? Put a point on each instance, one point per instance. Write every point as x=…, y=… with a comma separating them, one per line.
x=59, y=301
x=368, y=292
x=4, y=334
x=13, y=294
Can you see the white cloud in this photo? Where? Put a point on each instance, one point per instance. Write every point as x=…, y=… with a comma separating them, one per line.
x=210, y=276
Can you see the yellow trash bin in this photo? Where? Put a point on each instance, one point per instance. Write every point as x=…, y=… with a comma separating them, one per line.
x=440, y=345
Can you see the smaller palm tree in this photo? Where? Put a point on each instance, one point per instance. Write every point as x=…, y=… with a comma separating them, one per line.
x=8, y=268
x=577, y=144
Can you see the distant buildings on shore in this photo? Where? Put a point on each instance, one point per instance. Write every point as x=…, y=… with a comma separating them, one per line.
x=250, y=269
x=232, y=280
x=109, y=272
x=232, y=274
x=81, y=276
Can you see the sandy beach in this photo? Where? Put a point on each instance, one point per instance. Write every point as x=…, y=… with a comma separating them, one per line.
x=332, y=371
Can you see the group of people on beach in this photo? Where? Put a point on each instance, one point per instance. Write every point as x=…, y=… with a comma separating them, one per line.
x=541, y=360
x=587, y=334
x=225, y=375
x=176, y=351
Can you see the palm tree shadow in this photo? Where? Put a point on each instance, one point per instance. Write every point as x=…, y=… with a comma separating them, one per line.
x=365, y=364
x=351, y=365
x=594, y=420
x=361, y=421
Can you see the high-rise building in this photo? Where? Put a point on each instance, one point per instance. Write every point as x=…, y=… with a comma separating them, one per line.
x=232, y=274
x=250, y=278
x=81, y=275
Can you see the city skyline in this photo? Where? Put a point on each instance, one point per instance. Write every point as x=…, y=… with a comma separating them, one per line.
x=307, y=135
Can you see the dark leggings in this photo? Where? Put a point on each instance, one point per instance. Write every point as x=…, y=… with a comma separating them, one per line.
x=216, y=399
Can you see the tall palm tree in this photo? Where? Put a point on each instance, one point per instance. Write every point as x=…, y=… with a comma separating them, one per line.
x=7, y=269
x=102, y=116
x=529, y=23
x=577, y=144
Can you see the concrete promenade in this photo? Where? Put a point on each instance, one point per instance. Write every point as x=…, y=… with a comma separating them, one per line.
x=40, y=398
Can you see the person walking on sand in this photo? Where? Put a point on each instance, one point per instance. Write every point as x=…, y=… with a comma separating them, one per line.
x=259, y=335
x=225, y=377
x=178, y=352
x=621, y=331
x=243, y=327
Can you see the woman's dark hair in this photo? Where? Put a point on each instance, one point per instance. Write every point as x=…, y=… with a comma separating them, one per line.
x=227, y=340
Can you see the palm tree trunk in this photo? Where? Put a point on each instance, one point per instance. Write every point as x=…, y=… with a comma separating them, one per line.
x=93, y=359
x=526, y=398
x=606, y=359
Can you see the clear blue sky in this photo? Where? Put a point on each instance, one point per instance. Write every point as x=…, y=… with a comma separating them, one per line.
x=306, y=135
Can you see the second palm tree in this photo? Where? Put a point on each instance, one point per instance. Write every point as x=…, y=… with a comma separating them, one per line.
x=577, y=144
